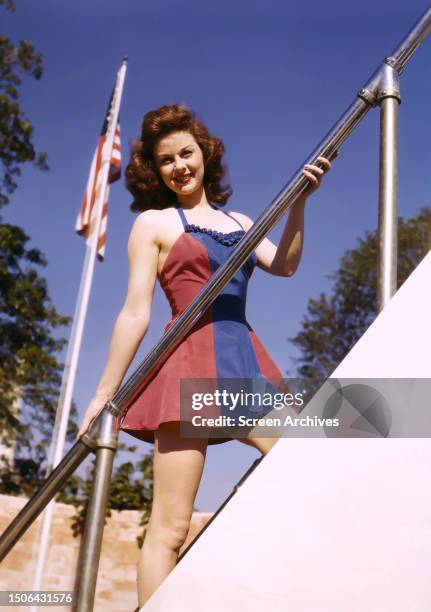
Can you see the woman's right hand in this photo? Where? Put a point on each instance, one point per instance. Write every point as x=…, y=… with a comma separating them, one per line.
x=94, y=408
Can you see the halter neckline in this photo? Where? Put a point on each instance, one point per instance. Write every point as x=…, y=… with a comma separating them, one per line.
x=227, y=238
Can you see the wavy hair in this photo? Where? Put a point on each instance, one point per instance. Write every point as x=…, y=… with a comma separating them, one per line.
x=142, y=178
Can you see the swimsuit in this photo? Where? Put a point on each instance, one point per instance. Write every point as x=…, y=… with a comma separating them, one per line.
x=221, y=344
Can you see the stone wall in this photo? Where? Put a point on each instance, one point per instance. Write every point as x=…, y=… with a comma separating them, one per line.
x=116, y=584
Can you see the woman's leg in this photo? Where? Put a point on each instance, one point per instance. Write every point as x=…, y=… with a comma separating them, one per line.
x=178, y=466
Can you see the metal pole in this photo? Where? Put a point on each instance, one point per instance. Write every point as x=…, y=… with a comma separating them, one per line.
x=60, y=425
x=405, y=49
x=91, y=543
x=388, y=234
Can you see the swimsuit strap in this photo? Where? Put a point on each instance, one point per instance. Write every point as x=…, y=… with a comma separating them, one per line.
x=182, y=215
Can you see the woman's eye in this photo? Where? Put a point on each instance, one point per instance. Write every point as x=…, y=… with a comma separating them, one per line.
x=187, y=153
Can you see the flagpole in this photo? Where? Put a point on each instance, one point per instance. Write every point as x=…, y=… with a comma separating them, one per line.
x=72, y=357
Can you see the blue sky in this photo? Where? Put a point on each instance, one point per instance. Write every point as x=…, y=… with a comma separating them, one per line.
x=270, y=79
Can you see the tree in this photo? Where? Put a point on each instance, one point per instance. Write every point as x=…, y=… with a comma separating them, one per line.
x=16, y=130
x=335, y=322
x=30, y=373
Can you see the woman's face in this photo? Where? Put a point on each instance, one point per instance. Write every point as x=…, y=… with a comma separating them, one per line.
x=180, y=162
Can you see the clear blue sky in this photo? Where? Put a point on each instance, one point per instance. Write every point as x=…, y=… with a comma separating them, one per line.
x=270, y=78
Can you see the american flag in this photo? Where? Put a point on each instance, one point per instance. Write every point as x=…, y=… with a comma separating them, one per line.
x=86, y=221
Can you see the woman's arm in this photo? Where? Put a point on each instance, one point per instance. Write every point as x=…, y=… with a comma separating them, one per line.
x=284, y=259
x=134, y=318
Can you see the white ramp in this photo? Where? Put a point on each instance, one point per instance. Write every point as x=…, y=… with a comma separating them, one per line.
x=328, y=525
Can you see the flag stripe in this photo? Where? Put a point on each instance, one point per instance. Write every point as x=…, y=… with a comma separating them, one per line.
x=86, y=220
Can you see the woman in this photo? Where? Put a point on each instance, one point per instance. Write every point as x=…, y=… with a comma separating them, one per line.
x=181, y=237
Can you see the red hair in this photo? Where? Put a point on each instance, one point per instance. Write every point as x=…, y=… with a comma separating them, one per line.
x=142, y=178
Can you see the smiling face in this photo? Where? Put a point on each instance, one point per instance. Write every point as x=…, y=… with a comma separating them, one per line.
x=179, y=160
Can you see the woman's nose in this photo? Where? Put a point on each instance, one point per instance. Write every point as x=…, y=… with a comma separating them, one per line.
x=180, y=164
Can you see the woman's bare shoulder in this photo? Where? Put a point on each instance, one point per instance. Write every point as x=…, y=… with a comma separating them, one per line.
x=154, y=222
x=242, y=218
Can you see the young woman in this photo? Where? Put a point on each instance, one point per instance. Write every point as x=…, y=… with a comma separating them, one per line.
x=180, y=238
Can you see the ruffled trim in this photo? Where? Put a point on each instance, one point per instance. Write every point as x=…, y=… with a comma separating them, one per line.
x=227, y=239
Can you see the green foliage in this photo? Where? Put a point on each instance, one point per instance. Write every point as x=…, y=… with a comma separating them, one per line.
x=335, y=322
x=30, y=373
x=21, y=478
x=16, y=130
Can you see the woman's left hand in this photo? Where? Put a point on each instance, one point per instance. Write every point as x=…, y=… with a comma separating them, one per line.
x=315, y=174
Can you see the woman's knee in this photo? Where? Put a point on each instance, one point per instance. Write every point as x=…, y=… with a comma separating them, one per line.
x=171, y=532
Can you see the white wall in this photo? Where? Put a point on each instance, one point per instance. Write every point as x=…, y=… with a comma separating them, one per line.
x=328, y=525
